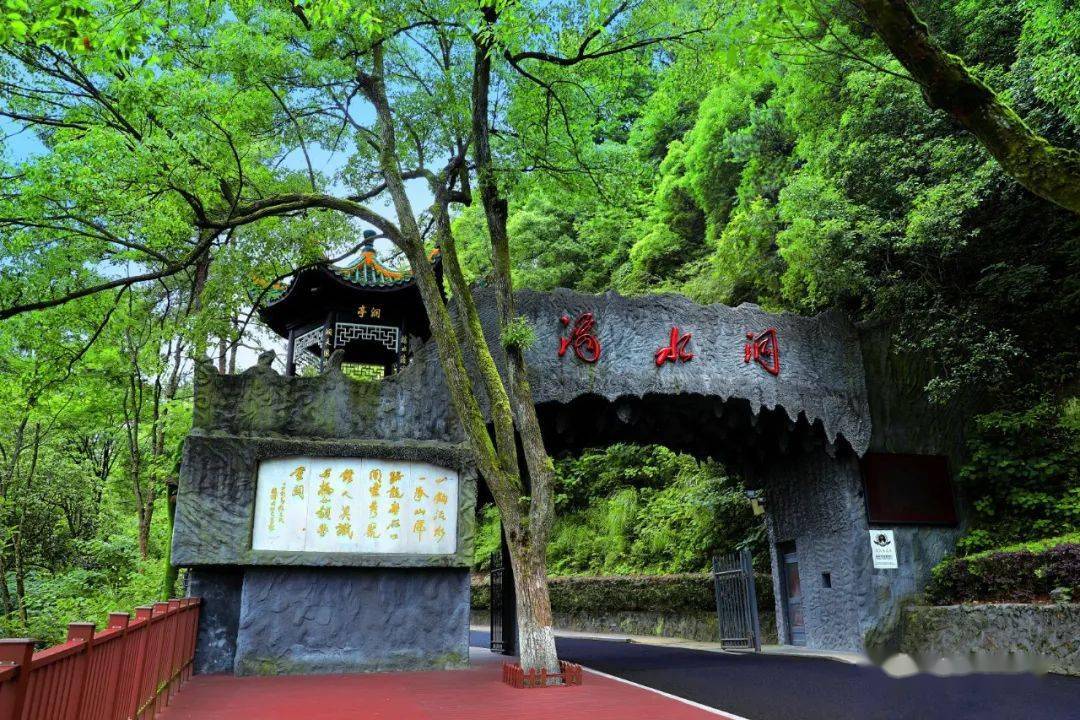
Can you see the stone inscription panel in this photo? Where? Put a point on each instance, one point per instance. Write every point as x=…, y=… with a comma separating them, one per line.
x=354, y=505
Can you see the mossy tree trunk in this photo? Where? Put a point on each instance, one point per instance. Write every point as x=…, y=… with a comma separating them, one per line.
x=1046, y=170
x=526, y=514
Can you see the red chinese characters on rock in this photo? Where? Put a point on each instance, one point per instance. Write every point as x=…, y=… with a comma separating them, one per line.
x=675, y=351
x=765, y=349
x=582, y=339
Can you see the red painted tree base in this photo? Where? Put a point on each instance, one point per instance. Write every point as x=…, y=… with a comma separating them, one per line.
x=514, y=676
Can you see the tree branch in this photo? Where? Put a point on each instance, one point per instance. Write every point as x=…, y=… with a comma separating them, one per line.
x=1048, y=171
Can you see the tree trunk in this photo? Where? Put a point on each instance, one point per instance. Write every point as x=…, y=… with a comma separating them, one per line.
x=146, y=515
x=1048, y=171
x=5, y=593
x=171, y=571
x=20, y=577
x=536, y=633
x=536, y=637
x=498, y=460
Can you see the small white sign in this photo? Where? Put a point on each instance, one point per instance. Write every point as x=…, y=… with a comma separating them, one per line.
x=883, y=549
x=353, y=505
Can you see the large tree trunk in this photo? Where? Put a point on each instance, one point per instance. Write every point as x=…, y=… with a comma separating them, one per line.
x=536, y=637
x=536, y=633
x=1048, y=171
x=496, y=459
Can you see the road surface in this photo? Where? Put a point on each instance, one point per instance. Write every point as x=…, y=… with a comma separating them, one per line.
x=770, y=687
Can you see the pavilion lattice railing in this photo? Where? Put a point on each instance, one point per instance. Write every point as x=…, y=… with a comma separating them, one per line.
x=130, y=670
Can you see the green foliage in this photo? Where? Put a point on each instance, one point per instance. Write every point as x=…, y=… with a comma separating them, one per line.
x=1024, y=473
x=1014, y=576
x=103, y=574
x=683, y=592
x=1031, y=546
x=488, y=536
x=518, y=334
x=631, y=509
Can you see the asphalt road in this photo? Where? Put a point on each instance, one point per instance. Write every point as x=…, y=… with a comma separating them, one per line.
x=769, y=687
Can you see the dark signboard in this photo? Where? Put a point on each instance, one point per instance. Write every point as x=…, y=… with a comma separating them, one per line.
x=908, y=489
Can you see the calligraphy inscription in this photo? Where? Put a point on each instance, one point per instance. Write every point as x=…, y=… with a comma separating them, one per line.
x=355, y=505
x=763, y=348
x=582, y=338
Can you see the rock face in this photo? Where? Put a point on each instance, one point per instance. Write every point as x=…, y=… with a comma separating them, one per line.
x=821, y=373
x=990, y=637
x=215, y=506
x=302, y=611
x=315, y=620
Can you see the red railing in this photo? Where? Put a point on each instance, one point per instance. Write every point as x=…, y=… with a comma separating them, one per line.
x=514, y=676
x=128, y=671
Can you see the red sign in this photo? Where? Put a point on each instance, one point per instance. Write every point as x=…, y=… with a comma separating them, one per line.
x=675, y=351
x=582, y=339
x=765, y=349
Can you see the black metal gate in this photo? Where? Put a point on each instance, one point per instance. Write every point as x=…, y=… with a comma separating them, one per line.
x=736, y=601
x=503, y=629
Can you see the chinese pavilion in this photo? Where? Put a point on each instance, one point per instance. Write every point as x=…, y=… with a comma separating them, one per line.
x=372, y=312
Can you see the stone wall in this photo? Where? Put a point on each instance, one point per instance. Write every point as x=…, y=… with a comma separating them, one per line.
x=995, y=637
x=676, y=606
x=698, y=625
x=905, y=421
x=269, y=621
x=821, y=379
x=328, y=620
x=816, y=503
x=215, y=506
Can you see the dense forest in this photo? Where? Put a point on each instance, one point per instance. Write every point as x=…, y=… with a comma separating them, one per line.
x=770, y=152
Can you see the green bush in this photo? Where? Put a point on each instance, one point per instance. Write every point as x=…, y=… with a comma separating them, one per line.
x=1023, y=476
x=79, y=595
x=631, y=509
x=488, y=537
x=1014, y=576
x=650, y=593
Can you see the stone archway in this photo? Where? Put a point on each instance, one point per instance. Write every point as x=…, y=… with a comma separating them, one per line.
x=795, y=428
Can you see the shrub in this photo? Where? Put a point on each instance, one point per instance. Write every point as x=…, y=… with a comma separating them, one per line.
x=621, y=593
x=1013, y=576
x=1023, y=475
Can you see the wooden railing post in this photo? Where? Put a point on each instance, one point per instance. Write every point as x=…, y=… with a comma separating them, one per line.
x=85, y=632
x=175, y=643
x=143, y=615
x=193, y=638
x=160, y=659
x=18, y=652
x=117, y=621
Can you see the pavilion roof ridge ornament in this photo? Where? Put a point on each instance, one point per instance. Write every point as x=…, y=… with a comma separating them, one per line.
x=368, y=271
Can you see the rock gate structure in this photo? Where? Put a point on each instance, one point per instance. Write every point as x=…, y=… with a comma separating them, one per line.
x=781, y=399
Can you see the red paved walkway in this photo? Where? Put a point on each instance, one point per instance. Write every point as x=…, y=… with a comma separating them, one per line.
x=474, y=694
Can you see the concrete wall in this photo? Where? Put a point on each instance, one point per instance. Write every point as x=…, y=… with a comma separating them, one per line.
x=995, y=637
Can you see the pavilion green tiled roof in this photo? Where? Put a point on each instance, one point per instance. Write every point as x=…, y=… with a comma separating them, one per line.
x=369, y=272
